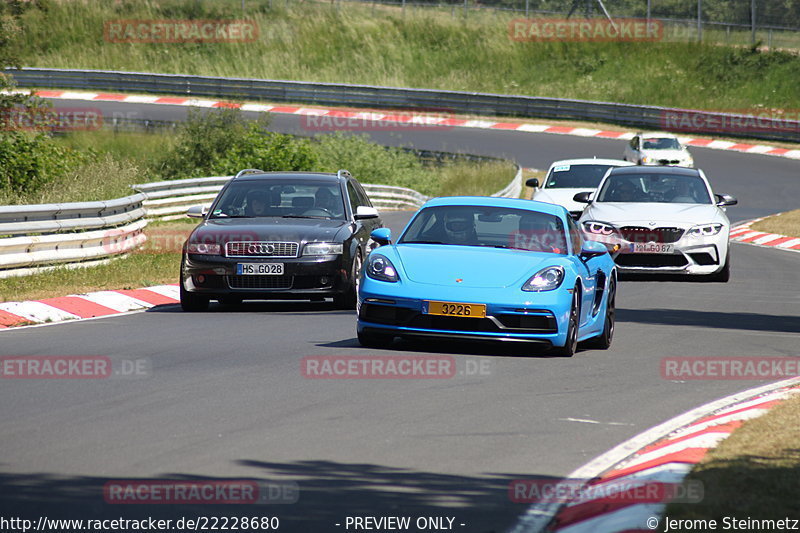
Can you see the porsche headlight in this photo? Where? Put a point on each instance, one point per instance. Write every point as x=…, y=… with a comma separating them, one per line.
x=598, y=228
x=202, y=248
x=546, y=279
x=705, y=230
x=323, y=248
x=380, y=268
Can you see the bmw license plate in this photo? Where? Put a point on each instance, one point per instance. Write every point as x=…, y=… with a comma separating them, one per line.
x=456, y=309
x=259, y=269
x=651, y=248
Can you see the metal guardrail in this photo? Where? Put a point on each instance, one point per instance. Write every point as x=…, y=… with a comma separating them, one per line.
x=649, y=117
x=47, y=234
x=33, y=237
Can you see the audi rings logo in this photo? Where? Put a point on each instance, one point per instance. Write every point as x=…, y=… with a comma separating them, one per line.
x=259, y=248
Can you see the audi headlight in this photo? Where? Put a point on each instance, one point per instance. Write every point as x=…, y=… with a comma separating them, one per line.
x=323, y=248
x=379, y=267
x=598, y=228
x=202, y=248
x=546, y=279
x=705, y=230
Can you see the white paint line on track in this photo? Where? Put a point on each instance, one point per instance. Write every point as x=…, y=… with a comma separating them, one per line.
x=538, y=516
x=141, y=99
x=68, y=95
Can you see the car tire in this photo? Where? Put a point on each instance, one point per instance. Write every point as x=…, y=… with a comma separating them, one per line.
x=571, y=344
x=193, y=303
x=374, y=340
x=347, y=300
x=724, y=275
x=603, y=341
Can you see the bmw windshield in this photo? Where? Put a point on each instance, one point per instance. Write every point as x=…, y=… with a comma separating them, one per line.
x=654, y=188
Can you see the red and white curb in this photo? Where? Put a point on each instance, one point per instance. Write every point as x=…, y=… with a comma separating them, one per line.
x=660, y=457
x=399, y=117
x=743, y=233
x=90, y=305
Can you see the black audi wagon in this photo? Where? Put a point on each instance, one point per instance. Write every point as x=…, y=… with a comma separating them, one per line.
x=279, y=235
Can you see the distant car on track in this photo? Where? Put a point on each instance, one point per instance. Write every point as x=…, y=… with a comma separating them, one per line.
x=661, y=220
x=299, y=235
x=568, y=177
x=657, y=149
x=489, y=269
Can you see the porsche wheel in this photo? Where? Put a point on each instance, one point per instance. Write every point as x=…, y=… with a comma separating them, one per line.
x=571, y=344
x=603, y=341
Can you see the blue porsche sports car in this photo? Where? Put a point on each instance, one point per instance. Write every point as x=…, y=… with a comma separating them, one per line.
x=489, y=269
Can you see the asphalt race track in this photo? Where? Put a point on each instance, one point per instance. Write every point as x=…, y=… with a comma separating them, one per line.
x=224, y=397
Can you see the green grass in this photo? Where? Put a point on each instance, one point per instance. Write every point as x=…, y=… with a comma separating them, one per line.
x=419, y=48
x=751, y=474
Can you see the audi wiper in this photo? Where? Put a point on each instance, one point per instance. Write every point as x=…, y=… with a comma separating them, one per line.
x=303, y=216
x=424, y=242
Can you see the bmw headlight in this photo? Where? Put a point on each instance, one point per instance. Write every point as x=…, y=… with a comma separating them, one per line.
x=705, y=230
x=546, y=279
x=379, y=267
x=598, y=228
x=323, y=248
x=202, y=248
x=648, y=159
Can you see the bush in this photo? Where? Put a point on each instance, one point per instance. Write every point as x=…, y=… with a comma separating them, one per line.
x=224, y=142
x=31, y=159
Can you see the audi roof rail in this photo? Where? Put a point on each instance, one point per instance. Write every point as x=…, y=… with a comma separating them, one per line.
x=248, y=171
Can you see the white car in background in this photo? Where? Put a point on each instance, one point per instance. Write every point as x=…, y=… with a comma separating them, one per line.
x=568, y=177
x=660, y=220
x=657, y=149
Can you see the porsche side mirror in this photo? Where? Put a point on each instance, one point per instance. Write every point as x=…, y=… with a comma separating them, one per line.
x=382, y=236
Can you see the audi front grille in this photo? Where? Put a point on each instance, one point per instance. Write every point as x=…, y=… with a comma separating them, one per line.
x=261, y=249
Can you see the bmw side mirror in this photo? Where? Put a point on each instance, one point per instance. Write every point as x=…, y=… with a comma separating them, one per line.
x=197, y=211
x=583, y=197
x=724, y=200
x=382, y=236
x=363, y=212
x=532, y=182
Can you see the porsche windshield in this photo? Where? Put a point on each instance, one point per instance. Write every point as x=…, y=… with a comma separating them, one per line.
x=576, y=176
x=281, y=198
x=654, y=188
x=495, y=227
